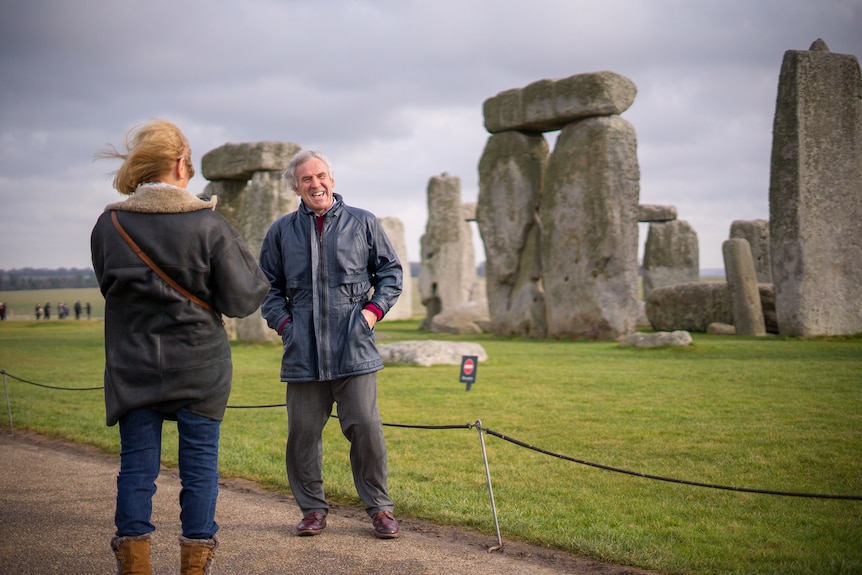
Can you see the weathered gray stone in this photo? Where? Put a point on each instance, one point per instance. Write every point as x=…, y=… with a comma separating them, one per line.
x=689, y=306
x=468, y=211
x=656, y=213
x=718, y=328
x=548, y=105
x=265, y=199
x=447, y=273
x=671, y=255
x=814, y=194
x=693, y=306
x=756, y=232
x=588, y=213
x=767, y=301
x=468, y=318
x=229, y=194
x=403, y=308
x=742, y=286
x=238, y=161
x=679, y=338
x=642, y=320
x=429, y=352
x=510, y=183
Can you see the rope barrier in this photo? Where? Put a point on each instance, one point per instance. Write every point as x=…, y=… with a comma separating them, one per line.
x=669, y=479
x=478, y=426
x=5, y=373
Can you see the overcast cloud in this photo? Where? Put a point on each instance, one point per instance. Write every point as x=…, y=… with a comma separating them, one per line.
x=390, y=90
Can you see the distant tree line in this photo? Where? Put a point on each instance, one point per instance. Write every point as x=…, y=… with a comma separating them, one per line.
x=41, y=278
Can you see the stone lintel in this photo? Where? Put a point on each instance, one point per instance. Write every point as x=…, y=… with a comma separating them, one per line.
x=548, y=105
x=656, y=213
x=238, y=161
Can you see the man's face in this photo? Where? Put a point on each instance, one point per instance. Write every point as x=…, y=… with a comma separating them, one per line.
x=315, y=186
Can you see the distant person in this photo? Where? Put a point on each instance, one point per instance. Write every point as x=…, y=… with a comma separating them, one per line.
x=88, y=309
x=3, y=311
x=78, y=309
x=323, y=261
x=38, y=311
x=47, y=310
x=167, y=357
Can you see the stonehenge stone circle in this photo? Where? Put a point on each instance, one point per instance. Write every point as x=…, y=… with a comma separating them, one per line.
x=815, y=194
x=403, y=308
x=656, y=213
x=757, y=234
x=689, y=306
x=560, y=229
x=246, y=177
x=694, y=306
x=425, y=353
x=549, y=105
x=588, y=214
x=239, y=161
x=511, y=171
x=742, y=287
x=678, y=338
x=447, y=272
x=671, y=255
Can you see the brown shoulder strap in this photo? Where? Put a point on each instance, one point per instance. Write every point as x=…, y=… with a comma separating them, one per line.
x=156, y=268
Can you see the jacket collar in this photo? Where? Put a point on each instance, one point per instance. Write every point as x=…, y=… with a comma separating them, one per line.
x=162, y=199
x=336, y=203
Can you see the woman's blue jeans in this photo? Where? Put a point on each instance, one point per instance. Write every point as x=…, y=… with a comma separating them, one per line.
x=140, y=461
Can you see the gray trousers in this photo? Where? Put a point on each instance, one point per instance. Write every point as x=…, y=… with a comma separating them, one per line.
x=309, y=406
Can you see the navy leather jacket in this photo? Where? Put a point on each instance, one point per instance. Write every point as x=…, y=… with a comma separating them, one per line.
x=319, y=285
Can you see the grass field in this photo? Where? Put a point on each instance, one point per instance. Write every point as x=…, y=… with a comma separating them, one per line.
x=769, y=413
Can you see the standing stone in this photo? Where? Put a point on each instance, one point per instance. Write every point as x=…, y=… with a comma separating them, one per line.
x=447, y=272
x=403, y=308
x=588, y=212
x=815, y=194
x=671, y=255
x=229, y=194
x=251, y=194
x=510, y=186
x=266, y=198
x=756, y=232
x=742, y=287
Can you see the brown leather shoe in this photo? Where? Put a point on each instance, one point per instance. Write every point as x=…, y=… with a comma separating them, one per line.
x=385, y=525
x=311, y=524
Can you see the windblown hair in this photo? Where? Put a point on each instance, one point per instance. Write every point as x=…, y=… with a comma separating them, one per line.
x=151, y=151
x=289, y=173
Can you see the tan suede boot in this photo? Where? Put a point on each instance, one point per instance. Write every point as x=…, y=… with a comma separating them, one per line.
x=196, y=555
x=133, y=554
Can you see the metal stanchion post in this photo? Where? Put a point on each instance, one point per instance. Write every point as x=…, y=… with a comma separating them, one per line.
x=490, y=489
x=8, y=405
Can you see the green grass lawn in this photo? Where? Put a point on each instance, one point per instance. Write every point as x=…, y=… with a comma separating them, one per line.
x=769, y=413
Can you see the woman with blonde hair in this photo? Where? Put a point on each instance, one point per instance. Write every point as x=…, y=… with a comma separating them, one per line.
x=168, y=266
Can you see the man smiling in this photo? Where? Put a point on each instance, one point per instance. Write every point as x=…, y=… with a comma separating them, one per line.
x=333, y=274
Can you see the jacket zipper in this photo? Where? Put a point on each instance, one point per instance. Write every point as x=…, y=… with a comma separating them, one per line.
x=324, y=363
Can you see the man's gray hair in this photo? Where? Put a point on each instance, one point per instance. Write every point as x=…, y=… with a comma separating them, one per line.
x=289, y=173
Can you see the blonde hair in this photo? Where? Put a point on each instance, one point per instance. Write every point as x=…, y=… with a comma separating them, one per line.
x=151, y=151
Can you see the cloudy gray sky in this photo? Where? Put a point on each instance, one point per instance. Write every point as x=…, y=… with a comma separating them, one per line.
x=390, y=90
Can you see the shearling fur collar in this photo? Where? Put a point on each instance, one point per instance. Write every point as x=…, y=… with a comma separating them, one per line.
x=162, y=199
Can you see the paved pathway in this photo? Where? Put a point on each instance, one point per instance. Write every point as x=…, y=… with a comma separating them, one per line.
x=56, y=517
